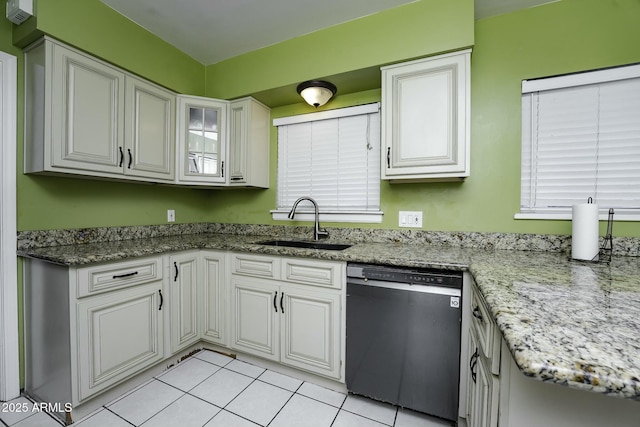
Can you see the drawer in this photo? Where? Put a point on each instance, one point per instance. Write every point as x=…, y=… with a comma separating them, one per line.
x=482, y=323
x=255, y=265
x=318, y=273
x=106, y=277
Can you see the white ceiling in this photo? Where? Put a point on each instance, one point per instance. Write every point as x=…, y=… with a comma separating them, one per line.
x=213, y=30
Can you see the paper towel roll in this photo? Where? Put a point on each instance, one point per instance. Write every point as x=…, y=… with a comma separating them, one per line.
x=584, y=231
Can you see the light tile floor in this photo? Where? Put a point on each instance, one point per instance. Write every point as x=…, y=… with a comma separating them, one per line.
x=213, y=390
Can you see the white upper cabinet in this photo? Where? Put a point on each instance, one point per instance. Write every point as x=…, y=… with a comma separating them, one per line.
x=223, y=143
x=149, y=130
x=249, y=143
x=425, y=126
x=74, y=112
x=86, y=117
x=202, y=140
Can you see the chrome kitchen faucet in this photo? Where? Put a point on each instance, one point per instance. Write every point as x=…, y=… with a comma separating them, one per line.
x=317, y=232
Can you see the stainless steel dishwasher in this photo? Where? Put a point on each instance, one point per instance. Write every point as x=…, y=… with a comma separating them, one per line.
x=403, y=336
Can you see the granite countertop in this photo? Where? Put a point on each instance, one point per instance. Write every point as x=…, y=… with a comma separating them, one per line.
x=564, y=321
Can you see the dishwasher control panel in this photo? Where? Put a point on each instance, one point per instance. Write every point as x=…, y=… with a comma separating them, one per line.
x=414, y=276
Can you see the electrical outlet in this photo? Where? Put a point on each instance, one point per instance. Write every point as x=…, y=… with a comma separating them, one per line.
x=171, y=215
x=411, y=219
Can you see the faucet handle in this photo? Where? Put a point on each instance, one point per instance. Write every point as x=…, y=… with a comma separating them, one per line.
x=323, y=233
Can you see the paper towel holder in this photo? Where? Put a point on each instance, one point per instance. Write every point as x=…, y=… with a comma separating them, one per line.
x=607, y=243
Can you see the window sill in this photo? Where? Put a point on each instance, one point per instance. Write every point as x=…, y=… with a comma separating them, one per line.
x=567, y=216
x=374, y=217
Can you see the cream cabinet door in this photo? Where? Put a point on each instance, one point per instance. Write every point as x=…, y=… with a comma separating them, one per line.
x=149, y=131
x=202, y=140
x=249, y=143
x=119, y=334
x=183, y=283
x=482, y=389
x=425, y=126
x=311, y=330
x=213, y=297
x=86, y=114
x=255, y=317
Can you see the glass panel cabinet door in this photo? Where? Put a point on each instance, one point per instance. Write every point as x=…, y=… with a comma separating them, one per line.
x=202, y=140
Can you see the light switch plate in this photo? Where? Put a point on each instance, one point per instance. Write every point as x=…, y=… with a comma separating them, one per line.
x=171, y=215
x=411, y=219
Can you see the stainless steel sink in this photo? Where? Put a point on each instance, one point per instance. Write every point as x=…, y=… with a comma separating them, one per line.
x=306, y=244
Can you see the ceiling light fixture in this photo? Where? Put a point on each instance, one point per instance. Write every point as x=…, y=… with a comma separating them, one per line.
x=317, y=92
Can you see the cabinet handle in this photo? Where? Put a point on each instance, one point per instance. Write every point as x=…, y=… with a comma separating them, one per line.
x=275, y=297
x=130, y=158
x=237, y=178
x=281, y=305
x=120, y=276
x=121, y=157
x=222, y=168
x=476, y=313
x=161, y=299
x=175, y=278
x=472, y=365
x=388, y=157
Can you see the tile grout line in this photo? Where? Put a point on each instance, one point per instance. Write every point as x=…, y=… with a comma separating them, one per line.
x=293, y=393
x=122, y=418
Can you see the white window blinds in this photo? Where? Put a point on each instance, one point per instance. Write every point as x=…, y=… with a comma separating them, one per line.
x=333, y=157
x=581, y=139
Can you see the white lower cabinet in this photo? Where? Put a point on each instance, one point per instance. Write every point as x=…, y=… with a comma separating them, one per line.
x=212, y=297
x=310, y=325
x=499, y=394
x=291, y=321
x=90, y=328
x=255, y=323
x=183, y=285
x=119, y=334
x=482, y=389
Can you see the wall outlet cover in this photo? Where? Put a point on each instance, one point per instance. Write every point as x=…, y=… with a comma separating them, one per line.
x=411, y=219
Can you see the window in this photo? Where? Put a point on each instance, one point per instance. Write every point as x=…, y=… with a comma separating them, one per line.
x=581, y=139
x=334, y=157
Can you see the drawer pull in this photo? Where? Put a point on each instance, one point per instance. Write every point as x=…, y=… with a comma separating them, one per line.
x=476, y=313
x=161, y=299
x=275, y=297
x=121, y=276
x=175, y=278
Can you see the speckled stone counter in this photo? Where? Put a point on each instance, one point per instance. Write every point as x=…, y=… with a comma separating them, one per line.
x=568, y=322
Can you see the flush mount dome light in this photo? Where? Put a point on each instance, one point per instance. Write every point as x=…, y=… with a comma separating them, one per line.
x=316, y=92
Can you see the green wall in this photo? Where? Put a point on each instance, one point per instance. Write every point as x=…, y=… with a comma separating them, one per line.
x=562, y=37
x=417, y=29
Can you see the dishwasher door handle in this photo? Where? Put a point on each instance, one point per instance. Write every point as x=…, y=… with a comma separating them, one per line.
x=428, y=289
